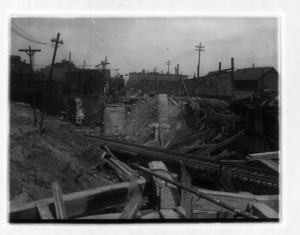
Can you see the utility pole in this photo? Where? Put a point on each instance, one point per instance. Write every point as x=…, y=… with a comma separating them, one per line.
x=30, y=52
x=69, y=64
x=168, y=63
x=199, y=48
x=57, y=42
x=104, y=63
x=232, y=75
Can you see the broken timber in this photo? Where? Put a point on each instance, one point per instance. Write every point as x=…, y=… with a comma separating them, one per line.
x=189, y=189
x=202, y=163
x=60, y=208
x=186, y=197
x=44, y=210
x=219, y=145
x=78, y=204
x=167, y=193
x=189, y=140
x=135, y=199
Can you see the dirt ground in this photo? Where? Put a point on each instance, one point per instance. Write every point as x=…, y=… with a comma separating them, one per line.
x=59, y=154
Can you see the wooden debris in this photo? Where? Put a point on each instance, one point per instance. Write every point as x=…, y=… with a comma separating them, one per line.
x=181, y=212
x=152, y=215
x=192, y=190
x=271, y=165
x=262, y=210
x=110, y=153
x=167, y=193
x=186, y=197
x=169, y=214
x=122, y=176
x=135, y=198
x=58, y=202
x=263, y=156
x=220, y=145
x=44, y=210
x=189, y=140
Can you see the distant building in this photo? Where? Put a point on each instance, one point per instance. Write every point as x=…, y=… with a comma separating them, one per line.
x=18, y=66
x=256, y=79
x=22, y=82
x=158, y=77
x=59, y=70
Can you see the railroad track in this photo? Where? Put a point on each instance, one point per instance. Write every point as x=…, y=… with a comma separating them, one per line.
x=211, y=166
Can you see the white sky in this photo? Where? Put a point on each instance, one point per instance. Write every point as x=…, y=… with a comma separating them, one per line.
x=133, y=44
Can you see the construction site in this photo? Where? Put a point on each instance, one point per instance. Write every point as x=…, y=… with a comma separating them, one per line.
x=89, y=146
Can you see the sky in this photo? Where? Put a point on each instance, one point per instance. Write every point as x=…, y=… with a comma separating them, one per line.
x=133, y=44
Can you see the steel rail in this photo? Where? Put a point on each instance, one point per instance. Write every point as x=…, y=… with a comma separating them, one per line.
x=191, y=161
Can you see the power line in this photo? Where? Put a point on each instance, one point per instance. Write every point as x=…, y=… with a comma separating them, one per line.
x=26, y=36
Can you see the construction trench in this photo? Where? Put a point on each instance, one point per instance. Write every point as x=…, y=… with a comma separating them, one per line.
x=154, y=158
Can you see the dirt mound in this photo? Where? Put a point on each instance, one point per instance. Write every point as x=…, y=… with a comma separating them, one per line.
x=59, y=154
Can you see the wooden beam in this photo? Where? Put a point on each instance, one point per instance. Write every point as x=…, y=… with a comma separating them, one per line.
x=135, y=198
x=220, y=145
x=103, y=216
x=44, y=210
x=166, y=192
x=80, y=203
x=193, y=191
x=271, y=165
x=132, y=207
x=118, y=172
x=186, y=197
x=60, y=208
x=169, y=214
x=264, y=156
x=262, y=210
x=189, y=140
x=152, y=215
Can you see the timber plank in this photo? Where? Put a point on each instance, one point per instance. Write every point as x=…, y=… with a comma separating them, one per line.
x=119, y=173
x=271, y=165
x=166, y=192
x=219, y=145
x=44, y=210
x=186, y=197
x=135, y=199
x=169, y=214
x=262, y=210
x=265, y=155
x=59, y=202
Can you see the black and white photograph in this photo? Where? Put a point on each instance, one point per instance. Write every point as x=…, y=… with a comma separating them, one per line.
x=144, y=119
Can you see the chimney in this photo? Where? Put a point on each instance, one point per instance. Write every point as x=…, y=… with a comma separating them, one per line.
x=253, y=65
x=162, y=72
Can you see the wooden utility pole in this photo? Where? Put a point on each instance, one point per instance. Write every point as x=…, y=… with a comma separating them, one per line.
x=199, y=48
x=168, y=63
x=57, y=42
x=232, y=76
x=69, y=64
x=30, y=52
